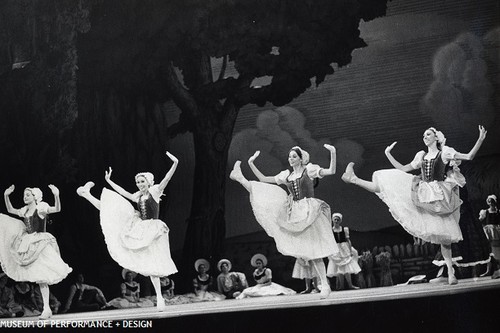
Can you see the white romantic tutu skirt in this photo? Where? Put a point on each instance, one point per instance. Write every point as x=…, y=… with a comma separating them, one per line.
x=261, y=290
x=346, y=265
x=141, y=246
x=301, y=228
x=31, y=257
x=396, y=192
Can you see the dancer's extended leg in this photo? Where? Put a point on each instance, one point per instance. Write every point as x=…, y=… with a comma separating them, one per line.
x=44, y=290
x=160, y=302
x=84, y=191
x=446, y=252
x=237, y=175
x=350, y=177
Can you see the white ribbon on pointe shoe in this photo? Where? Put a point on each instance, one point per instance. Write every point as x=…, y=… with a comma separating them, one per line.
x=236, y=173
x=325, y=292
x=160, y=305
x=82, y=190
x=348, y=176
x=46, y=314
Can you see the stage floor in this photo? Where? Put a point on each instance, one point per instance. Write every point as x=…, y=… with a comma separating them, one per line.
x=336, y=298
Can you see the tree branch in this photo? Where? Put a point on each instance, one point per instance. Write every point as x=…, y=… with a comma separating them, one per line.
x=223, y=69
x=180, y=95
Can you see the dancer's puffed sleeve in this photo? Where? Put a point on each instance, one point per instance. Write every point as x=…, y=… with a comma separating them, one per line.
x=313, y=171
x=453, y=175
x=21, y=211
x=482, y=214
x=448, y=154
x=42, y=208
x=280, y=178
x=417, y=160
x=155, y=192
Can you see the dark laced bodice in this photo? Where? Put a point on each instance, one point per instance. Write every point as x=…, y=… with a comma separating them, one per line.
x=492, y=218
x=433, y=169
x=35, y=223
x=302, y=187
x=148, y=208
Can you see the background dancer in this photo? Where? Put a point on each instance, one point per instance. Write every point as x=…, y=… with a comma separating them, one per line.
x=136, y=240
x=27, y=251
x=348, y=263
x=299, y=223
x=427, y=206
x=491, y=225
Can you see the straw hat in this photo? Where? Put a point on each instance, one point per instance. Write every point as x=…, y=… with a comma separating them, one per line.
x=125, y=271
x=222, y=261
x=256, y=257
x=201, y=261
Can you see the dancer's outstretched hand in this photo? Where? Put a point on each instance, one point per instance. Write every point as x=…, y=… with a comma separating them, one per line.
x=482, y=132
x=330, y=148
x=107, y=174
x=172, y=157
x=389, y=148
x=55, y=190
x=9, y=190
x=254, y=156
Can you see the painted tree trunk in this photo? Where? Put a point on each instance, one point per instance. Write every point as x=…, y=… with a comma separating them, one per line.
x=206, y=225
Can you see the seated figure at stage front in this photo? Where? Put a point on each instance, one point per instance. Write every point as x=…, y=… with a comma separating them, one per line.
x=230, y=284
x=83, y=297
x=263, y=277
x=130, y=293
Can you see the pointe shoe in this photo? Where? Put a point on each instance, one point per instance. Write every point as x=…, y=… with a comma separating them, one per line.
x=236, y=173
x=325, y=292
x=349, y=176
x=160, y=304
x=438, y=279
x=496, y=274
x=46, y=314
x=307, y=291
x=85, y=189
x=452, y=280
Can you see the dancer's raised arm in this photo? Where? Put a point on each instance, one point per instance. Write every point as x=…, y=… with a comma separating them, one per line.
x=57, y=205
x=333, y=162
x=470, y=155
x=257, y=173
x=170, y=173
x=8, y=204
x=406, y=168
x=116, y=187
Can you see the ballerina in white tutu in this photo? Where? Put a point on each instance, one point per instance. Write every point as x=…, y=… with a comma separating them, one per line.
x=136, y=240
x=27, y=251
x=263, y=276
x=427, y=206
x=299, y=223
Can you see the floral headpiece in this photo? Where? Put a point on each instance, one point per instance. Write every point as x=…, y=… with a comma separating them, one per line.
x=305, y=154
x=36, y=192
x=150, y=178
x=337, y=214
x=441, y=139
x=491, y=196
